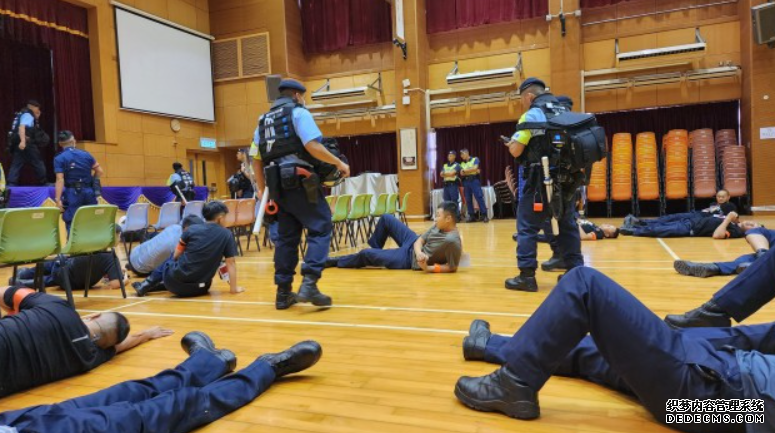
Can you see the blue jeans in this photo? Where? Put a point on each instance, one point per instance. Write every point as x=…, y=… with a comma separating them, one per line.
x=472, y=188
x=628, y=347
x=193, y=394
x=376, y=256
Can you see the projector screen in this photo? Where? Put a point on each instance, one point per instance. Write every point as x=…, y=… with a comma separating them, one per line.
x=163, y=69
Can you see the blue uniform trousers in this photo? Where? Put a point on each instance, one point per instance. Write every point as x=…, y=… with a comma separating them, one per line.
x=51, y=272
x=376, y=256
x=451, y=192
x=72, y=199
x=164, y=274
x=749, y=291
x=730, y=268
x=30, y=155
x=675, y=229
x=670, y=218
x=472, y=188
x=297, y=213
x=628, y=347
x=193, y=394
x=529, y=223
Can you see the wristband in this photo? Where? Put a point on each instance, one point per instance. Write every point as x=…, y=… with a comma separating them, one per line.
x=437, y=268
x=18, y=297
x=180, y=248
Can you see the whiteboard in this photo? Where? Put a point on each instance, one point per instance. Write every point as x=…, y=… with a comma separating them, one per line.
x=163, y=69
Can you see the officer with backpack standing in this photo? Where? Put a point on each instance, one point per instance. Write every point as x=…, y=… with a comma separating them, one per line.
x=533, y=209
x=24, y=140
x=181, y=183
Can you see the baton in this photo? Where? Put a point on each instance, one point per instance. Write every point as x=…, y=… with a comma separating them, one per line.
x=261, y=212
x=183, y=199
x=549, y=191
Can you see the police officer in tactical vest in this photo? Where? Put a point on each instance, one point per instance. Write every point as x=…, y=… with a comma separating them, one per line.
x=472, y=186
x=285, y=160
x=181, y=183
x=450, y=174
x=24, y=140
x=78, y=178
x=529, y=146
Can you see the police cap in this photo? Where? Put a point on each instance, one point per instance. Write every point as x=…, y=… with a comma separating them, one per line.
x=452, y=152
x=33, y=103
x=464, y=150
x=565, y=100
x=292, y=85
x=65, y=136
x=532, y=81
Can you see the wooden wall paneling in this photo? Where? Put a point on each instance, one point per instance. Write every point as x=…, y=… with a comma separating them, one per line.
x=599, y=31
x=159, y=8
x=293, y=35
x=632, y=8
x=599, y=55
x=722, y=38
x=637, y=43
x=537, y=63
x=669, y=19
x=602, y=101
x=129, y=143
x=182, y=13
x=126, y=166
x=675, y=37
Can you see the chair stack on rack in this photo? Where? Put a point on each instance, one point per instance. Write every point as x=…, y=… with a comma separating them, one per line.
x=597, y=190
x=703, y=163
x=675, y=148
x=647, y=166
x=621, y=169
x=734, y=168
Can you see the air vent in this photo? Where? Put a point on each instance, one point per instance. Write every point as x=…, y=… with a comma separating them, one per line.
x=255, y=55
x=226, y=60
x=243, y=57
x=657, y=56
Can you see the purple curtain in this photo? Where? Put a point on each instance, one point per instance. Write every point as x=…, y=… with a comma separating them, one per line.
x=483, y=141
x=121, y=196
x=72, y=66
x=377, y=153
x=332, y=25
x=446, y=15
x=718, y=115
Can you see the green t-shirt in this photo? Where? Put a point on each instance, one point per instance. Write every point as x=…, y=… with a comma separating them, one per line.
x=442, y=248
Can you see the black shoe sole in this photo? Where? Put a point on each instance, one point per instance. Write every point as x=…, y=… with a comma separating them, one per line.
x=210, y=344
x=468, y=349
x=315, y=300
x=695, y=324
x=684, y=268
x=554, y=268
x=522, y=289
x=524, y=410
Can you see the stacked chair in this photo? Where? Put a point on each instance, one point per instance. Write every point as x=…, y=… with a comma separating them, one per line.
x=734, y=171
x=621, y=169
x=597, y=190
x=703, y=163
x=675, y=148
x=647, y=165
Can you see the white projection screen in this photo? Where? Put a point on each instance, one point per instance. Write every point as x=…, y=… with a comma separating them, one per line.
x=163, y=69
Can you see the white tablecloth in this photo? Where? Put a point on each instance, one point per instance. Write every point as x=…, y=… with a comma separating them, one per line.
x=437, y=196
x=368, y=183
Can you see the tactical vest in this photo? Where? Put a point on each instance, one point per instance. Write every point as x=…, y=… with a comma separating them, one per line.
x=450, y=169
x=13, y=134
x=467, y=165
x=276, y=134
x=188, y=181
x=541, y=145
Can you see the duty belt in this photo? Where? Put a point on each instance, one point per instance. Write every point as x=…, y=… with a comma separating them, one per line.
x=75, y=185
x=450, y=181
x=471, y=177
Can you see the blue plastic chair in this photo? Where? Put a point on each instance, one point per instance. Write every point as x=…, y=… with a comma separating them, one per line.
x=194, y=208
x=136, y=222
x=168, y=216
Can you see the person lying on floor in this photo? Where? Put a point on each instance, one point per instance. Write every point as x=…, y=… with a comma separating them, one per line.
x=190, y=271
x=697, y=224
x=760, y=240
x=739, y=299
x=103, y=265
x=588, y=231
x=438, y=250
x=152, y=253
x=720, y=208
x=197, y=392
x=43, y=339
x=606, y=336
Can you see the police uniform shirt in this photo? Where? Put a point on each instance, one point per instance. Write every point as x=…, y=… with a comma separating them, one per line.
x=45, y=342
x=305, y=127
x=442, y=248
x=205, y=246
x=174, y=178
x=449, y=168
x=532, y=115
x=28, y=120
x=706, y=226
x=76, y=165
x=721, y=209
x=471, y=163
x=590, y=227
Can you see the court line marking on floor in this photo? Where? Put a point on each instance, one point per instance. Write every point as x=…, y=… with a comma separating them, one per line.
x=668, y=249
x=505, y=262
x=291, y=322
x=609, y=268
x=119, y=307
x=355, y=307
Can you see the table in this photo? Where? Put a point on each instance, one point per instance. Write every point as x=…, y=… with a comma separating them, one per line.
x=437, y=196
x=368, y=183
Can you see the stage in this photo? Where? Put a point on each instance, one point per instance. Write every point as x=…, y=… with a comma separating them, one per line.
x=121, y=196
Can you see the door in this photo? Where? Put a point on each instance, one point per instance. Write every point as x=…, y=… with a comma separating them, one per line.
x=207, y=169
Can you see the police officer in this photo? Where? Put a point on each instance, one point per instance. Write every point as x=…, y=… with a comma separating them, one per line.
x=536, y=101
x=246, y=168
x=78, y=176
x=450, y=173
x=472, y=186
x=181, y=183
x=288, y=148
x=24, y=138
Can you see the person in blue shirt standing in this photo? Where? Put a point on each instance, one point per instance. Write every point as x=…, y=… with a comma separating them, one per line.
x=78, y=176
x=450, y=174
x=24, y=138
x=181, y=183
x=288, y=151
x=472, y=186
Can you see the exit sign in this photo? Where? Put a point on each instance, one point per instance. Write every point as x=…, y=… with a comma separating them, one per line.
x=207, y=143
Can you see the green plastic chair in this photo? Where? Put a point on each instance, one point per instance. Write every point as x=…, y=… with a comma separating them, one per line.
x=358, y=212
x=29, y=236
x=402, y=210
x=93, y=231
x=392, y=202
x=341, y=211
x=378, y=211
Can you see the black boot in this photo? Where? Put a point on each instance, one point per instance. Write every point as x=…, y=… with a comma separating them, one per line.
x=691, y=269
x=299, y=357
x=501, y=391
x=526, y=281
x=742, y=267
x=308, y=292
x=476, y=341
x=145, y=287
x=196, y=341
x=761, y=253
x=331, y=262
x=514, y=237
x=285, y=297
x=556, y=263
x=707, y=316
x=485, y=219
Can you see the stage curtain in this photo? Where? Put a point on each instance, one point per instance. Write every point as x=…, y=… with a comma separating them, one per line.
x=62, y=28
x=121, y=196
x=375, y=153
x=483, y=142
x=332, y=25
x=446, y=15
x=718, y=115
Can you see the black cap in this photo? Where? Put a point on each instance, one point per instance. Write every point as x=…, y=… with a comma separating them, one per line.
x=565, y=100
x=64, y=136
x=452, y=152
x=291, y=84
x=532, y=81
x=34, y=103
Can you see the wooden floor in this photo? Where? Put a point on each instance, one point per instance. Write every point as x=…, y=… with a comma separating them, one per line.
x=392, y=342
